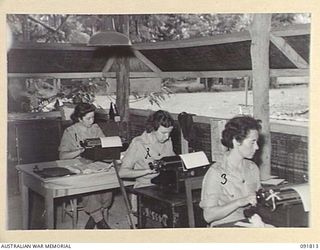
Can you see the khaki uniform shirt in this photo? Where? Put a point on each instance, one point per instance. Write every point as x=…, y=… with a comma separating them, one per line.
x=221, y=185
x=75, y=133
x=142, y=150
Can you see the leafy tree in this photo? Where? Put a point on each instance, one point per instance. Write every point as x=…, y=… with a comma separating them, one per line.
x=143, y=28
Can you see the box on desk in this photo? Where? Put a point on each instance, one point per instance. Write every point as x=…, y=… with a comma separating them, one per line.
x=156, y=210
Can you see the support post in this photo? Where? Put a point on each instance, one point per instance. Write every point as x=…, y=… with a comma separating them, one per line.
x=123, y=81
x=260, y=40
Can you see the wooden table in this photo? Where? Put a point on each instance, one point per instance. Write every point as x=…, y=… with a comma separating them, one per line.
x=51, y=188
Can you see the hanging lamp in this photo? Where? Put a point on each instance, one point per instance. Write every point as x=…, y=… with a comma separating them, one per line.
x=109, y=39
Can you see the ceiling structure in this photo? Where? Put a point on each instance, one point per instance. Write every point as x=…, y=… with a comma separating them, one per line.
x=226, y=55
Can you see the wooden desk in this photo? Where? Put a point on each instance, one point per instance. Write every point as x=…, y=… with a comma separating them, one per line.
x=51, y=188
x=157, y=209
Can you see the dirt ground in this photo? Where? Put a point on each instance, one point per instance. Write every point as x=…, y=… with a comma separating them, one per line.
x=289, y=104
x=286, y=103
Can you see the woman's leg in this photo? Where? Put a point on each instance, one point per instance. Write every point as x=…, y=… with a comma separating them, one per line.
x=92, y=205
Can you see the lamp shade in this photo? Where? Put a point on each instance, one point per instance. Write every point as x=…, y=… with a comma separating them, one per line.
x=109, y=39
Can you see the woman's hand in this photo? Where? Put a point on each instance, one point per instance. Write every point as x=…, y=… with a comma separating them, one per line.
x=151, y=171
x=250, y=199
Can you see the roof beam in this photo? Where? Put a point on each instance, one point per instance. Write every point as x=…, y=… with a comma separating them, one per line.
x=289, y=52
x=292, y=30
x=204, y=41
x=205, y=74
x=146, y=61
x=289, y=72
x=82, y=75
x=236, y=73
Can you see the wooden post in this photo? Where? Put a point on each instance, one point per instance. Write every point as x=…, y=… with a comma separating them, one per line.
x=123, y=81
x=123, y=92
x=246, y=88
x=260, y=35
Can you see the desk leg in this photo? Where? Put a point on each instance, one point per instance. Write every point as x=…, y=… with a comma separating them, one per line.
x=49, y=206
x=141, y=222
x=25, y=205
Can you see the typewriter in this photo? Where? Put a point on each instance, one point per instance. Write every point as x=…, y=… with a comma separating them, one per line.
x=105, y=148
x=173, y=172
x=274, y=197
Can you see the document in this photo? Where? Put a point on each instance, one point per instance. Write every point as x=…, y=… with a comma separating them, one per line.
x=111, y=142
x=303, y=191
x=194, y=160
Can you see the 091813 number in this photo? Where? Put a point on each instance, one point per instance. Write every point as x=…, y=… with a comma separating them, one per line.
x=309, y=246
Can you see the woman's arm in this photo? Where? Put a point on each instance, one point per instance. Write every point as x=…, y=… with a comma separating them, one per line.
x=130, y=159
x=70, y=154
x=69, y=146
x=215, y=213
x=134, y=173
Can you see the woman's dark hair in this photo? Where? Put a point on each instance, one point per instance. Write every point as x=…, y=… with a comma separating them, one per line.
x=238, y=128
x=81, y=110
x=157, y=119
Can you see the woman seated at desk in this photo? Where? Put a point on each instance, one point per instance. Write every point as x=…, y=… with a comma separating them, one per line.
x=153, y=144
x=84, y=128
x=229, y=186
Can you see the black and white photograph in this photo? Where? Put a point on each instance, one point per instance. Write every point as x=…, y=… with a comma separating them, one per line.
x=124, y=122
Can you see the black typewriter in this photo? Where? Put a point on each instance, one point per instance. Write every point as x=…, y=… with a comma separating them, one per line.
x=172, y=173
x=94, y=150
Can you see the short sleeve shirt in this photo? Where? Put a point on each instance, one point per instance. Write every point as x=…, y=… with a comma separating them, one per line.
x=73, y=135
x=221, y=186
x=142, y=150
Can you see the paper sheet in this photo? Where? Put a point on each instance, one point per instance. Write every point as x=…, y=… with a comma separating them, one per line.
x=272, y=181
x=250, y=225
x=304, y=192
x=110, y=142
x=193, y=160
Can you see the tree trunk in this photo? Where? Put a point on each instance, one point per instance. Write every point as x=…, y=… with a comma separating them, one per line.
x=260, y=35
x=25, y=28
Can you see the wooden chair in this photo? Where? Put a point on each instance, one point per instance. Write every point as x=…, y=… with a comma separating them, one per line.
x=71, y=207
x=192, y=183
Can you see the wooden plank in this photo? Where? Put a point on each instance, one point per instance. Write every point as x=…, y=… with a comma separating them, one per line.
x=58, y=75
x=205, y=74
x=76, y=75
x=260, y=34
x=204, y=41
x=146, y=61
x=289, y=52
x=292, y=30
x=51, y=46
x=108, y=65
x=289, y=72
x=235, y=73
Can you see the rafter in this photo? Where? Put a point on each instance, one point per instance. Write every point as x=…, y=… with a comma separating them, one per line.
x=108, y=65
x=289, y=52
x=146, y=61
